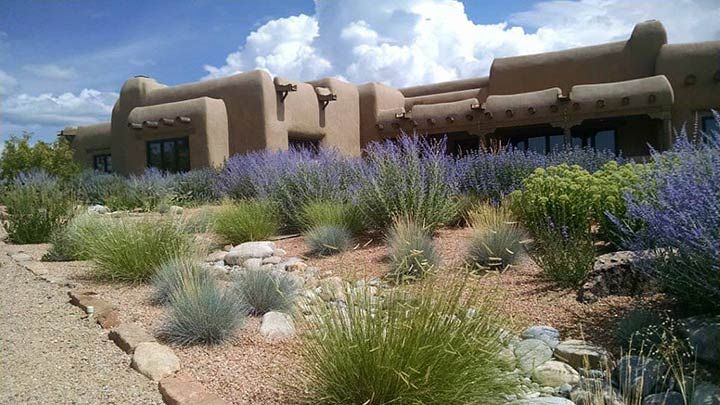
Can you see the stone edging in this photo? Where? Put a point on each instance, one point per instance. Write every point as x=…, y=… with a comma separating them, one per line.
x=149, y=358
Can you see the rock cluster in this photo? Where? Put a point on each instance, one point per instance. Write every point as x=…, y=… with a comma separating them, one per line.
x=577, y=372
x=617, y=273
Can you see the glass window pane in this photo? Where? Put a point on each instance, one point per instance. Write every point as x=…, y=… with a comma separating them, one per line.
x=710, y=128
x=108, y=163
x=154, y=154
x=168, y=156
x=537, y=144
x=556, y=142
x=183, y=155
x=605, y=140
x=578, y=141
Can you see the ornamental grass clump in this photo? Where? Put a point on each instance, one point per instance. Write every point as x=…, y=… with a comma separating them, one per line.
x=246, y=220
x=412, y=252
x=332, y=213
x=497, y=238
x=564, y=257
x=172, y=275
x=68, y=240
x=145, y=192
x=326, y=240
x=263, y=291
x=37, y=205
x=131, y=250
x=435, y=344
x=410, y=176
x=200, y=312
x=678, y=207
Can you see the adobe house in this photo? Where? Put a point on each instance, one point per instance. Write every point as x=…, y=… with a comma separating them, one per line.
x=623, y=96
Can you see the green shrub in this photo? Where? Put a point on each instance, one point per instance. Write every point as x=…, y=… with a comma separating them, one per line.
x=201, y=313
x=412, y=253
x=332, y=213
x=326, y=240
x=172, y=275
x=36, y=206
x=570, y=197
x=200, y=221
x=68, y=241
x=497, y=238
x=423, y=348
x=247, y=220
x=131, y=250
x=56, y=158
x=263, y=291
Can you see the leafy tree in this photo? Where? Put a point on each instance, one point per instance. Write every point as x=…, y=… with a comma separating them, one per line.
x=19, y=156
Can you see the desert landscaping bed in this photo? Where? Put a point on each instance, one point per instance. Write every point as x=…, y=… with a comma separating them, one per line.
x=248, y=369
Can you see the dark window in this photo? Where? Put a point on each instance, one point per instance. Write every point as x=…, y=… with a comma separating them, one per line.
x=710, y=128
x=598, y=139
x=548, y=140
x=102, y=163
x=309, y=144
x=170, y=155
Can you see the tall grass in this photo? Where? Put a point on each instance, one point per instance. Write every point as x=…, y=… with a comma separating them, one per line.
x=564, y=257
x=417, y=346
x=68, y=241
x=411, y=177
x=201, y=313
x=332, y=213
x=131, y=250
x=497, y=238
x=246, y=220
x=412, y=252
x=36, y=205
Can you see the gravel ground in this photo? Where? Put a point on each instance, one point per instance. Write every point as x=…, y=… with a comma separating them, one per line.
x=49, y=355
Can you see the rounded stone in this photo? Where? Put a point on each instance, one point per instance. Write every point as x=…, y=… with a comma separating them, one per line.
x=554, y=374
x=579, y=353
x=547, y=334
x=531, y=353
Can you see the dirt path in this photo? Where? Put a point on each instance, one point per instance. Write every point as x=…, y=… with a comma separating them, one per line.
x=50, y=355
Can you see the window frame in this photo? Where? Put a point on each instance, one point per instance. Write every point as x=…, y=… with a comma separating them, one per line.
x=103, y=158
x=176, y=154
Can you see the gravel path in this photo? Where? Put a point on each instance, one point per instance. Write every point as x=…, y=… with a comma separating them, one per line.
x=49, y=355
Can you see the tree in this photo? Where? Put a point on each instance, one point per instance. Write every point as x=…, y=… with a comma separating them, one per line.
x=19, y=155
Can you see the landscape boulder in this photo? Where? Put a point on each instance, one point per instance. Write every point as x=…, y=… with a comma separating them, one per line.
x=706, y=394
x=554, y=374
x=638, y=375
x=703, y=335
x=547, y=334
x=276, y=326
x=248, y=250
x=579, y=353
x=154, y=360
x=617, y=273
x=531, y=353
x=665, y=398
x=128, y=336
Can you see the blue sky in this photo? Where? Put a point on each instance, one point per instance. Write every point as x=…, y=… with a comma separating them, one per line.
x=63, y=62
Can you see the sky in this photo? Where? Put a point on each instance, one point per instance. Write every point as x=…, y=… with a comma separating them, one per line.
x=63, y=62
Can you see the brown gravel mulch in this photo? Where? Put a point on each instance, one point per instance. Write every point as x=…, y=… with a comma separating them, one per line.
x=247, y=370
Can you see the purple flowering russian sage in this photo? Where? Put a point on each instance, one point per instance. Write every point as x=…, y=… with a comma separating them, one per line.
x=678, y=207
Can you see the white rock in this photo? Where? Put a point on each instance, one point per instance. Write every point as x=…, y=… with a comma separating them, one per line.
x=276, y=326
x=216, y=256
x=333, y=289
x=252, y=263
x=154, y=360
x=555, y=373
x=248, y=250
x=272, y=260
x=547, y=334
x=98, y=209
x=21, y=257
x=578, y=353
x=279, y=252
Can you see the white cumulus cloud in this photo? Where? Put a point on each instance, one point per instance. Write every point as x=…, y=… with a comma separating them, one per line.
x=87, y=107
x=7, y=83
x=407, y=42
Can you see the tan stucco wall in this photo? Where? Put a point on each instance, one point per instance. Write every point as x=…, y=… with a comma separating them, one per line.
x=89, y=141
x=557, y=89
